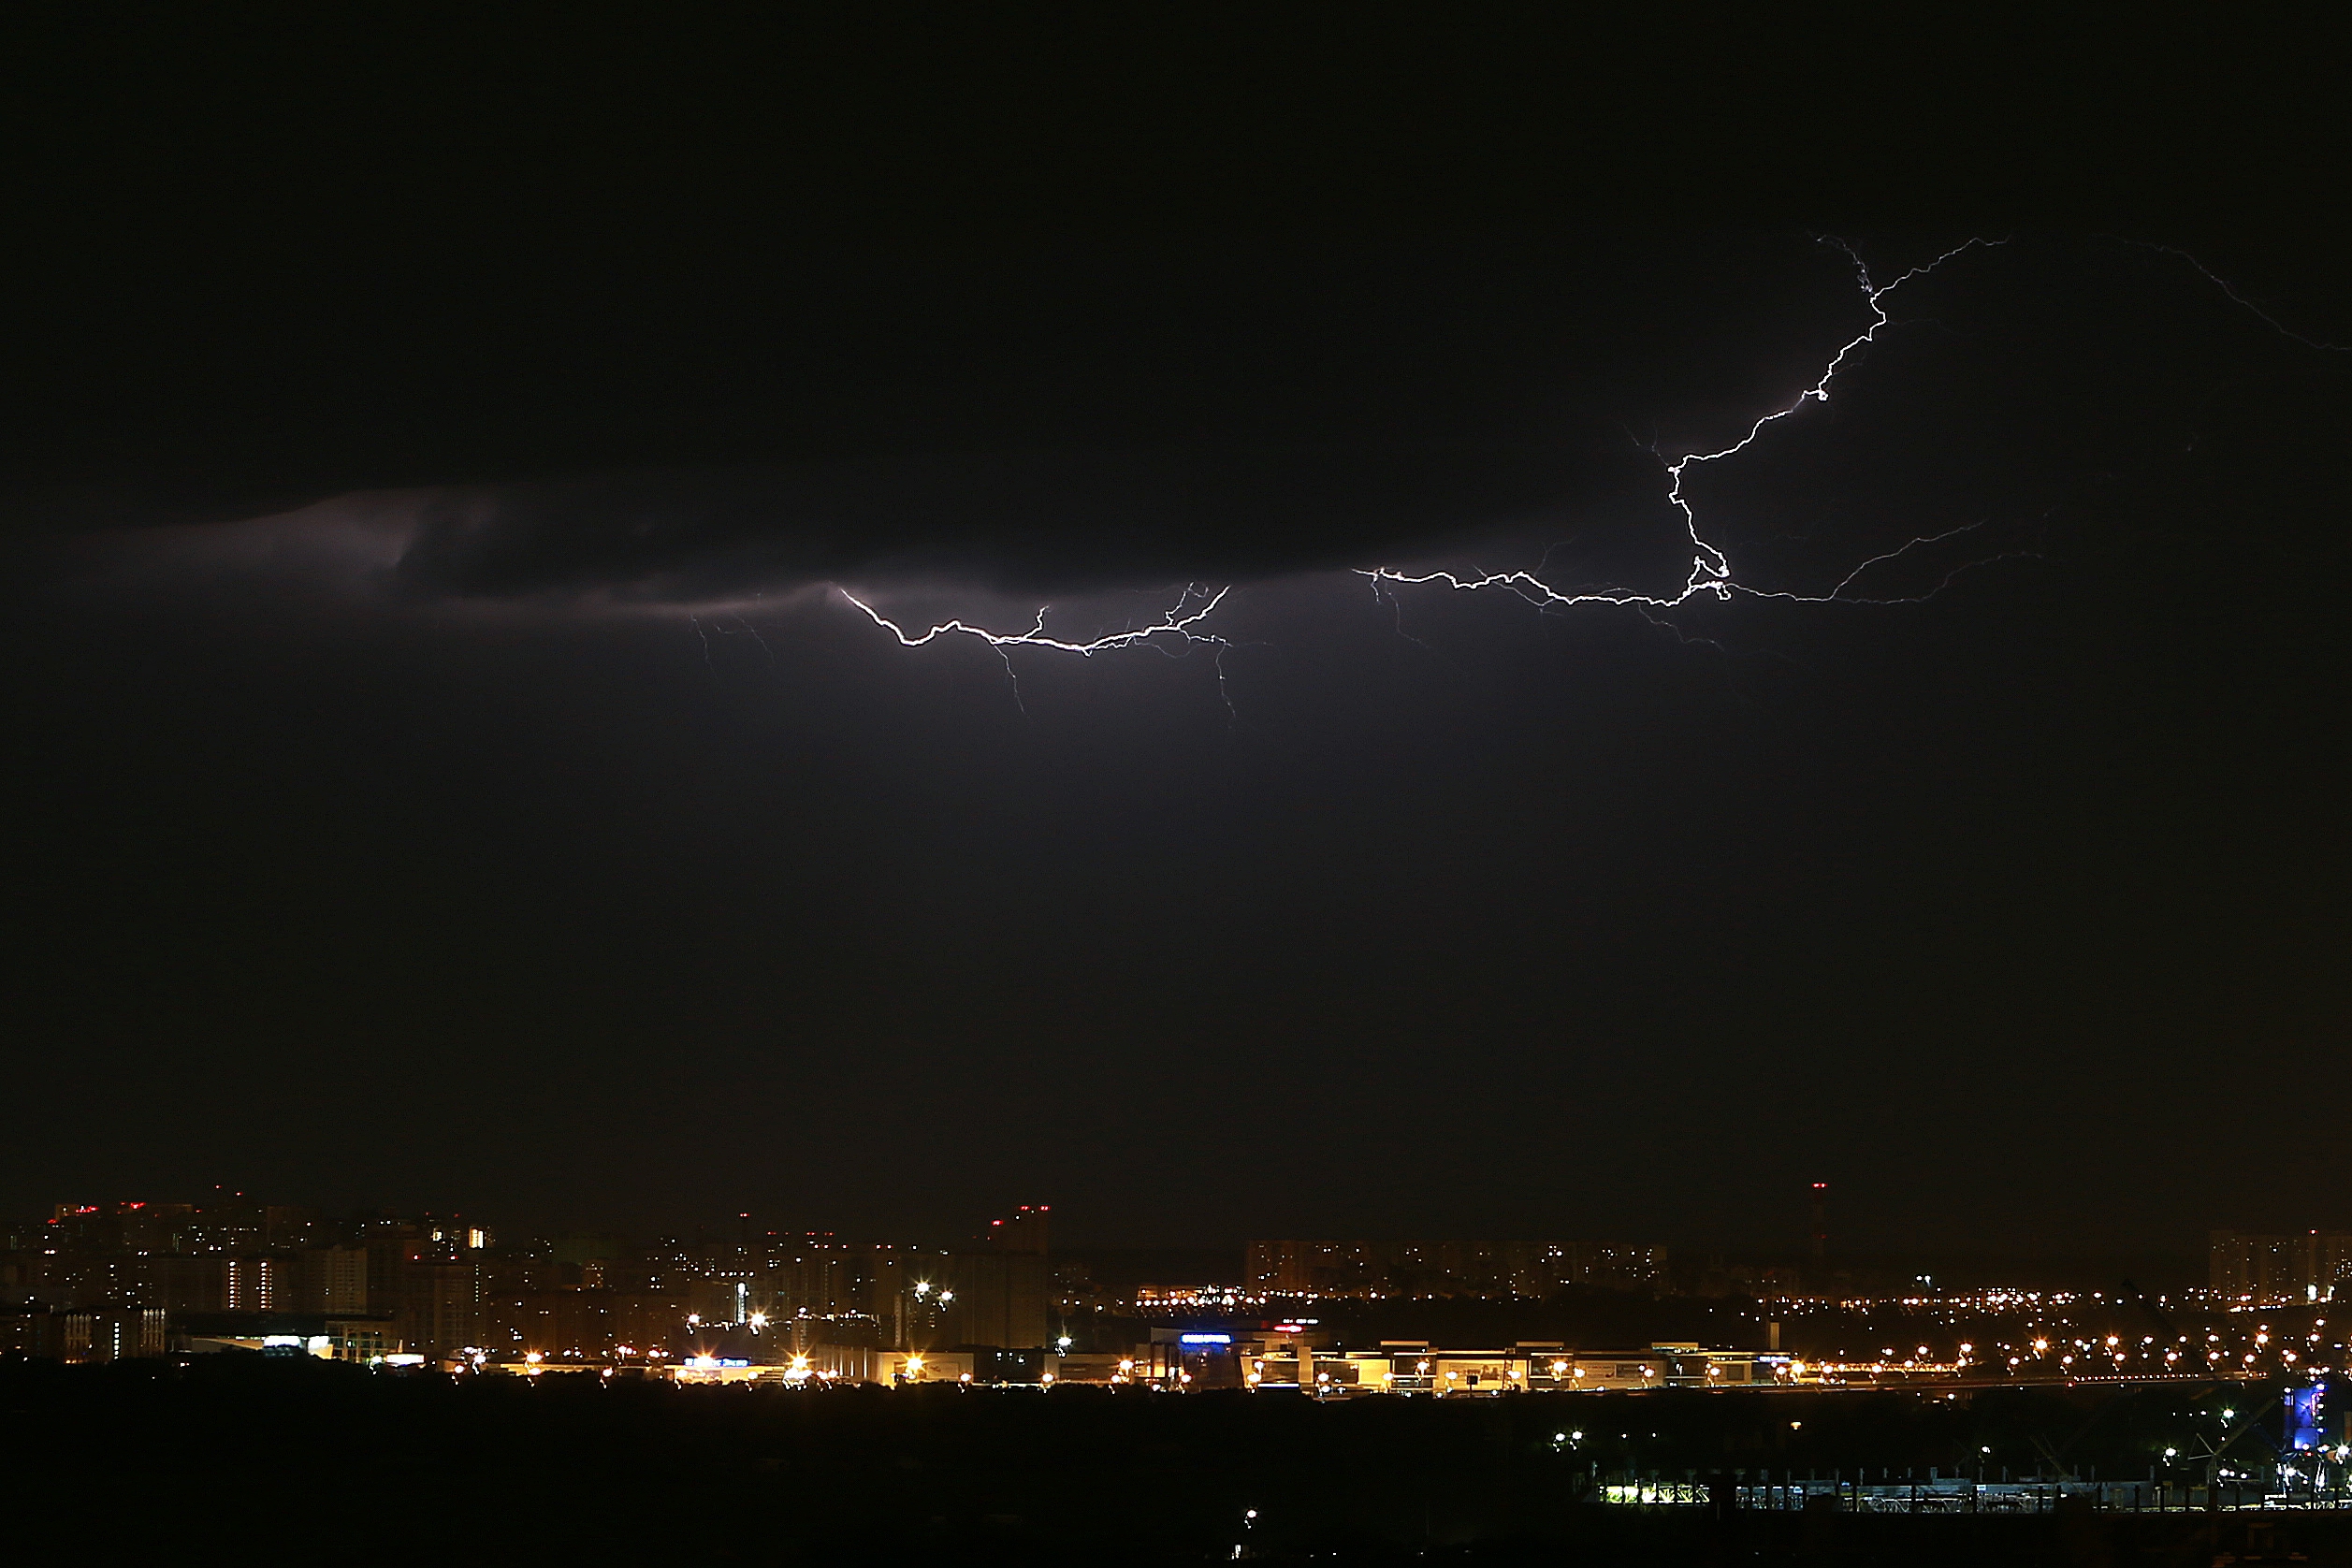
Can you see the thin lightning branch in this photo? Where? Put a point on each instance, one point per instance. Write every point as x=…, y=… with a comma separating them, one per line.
x=2242, y=301
x=757, y=638
x=1396, y=609
x=1839, y=595
x=1012, y=678
x=1905, y=548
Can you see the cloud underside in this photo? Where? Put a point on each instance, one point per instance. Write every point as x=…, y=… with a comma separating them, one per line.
x=1027, y=524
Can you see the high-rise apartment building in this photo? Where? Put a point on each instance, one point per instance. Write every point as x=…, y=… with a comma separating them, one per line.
x=112, y=1333
x=439, y=1306
x=2310, y=1266
x=257, y=1284
x=1001, y=1297
x=998, y=1300
x=333, y=1280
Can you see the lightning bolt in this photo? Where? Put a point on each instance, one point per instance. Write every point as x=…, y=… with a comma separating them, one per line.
x=1193, y=606
x=1711, y=575
x=1180, y=622
x=1710, y=569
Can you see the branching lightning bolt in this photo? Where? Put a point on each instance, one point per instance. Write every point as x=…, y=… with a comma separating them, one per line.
x=1710, y=569
x=1193, y=606
x=1181, y=623
x=1710, y=573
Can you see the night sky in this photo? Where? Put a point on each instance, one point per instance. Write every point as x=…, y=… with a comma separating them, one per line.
x=445, y=774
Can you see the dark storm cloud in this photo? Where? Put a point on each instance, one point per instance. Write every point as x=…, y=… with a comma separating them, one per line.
x=1329, y=410
x=1235, y=416
x=1038, y=415
x=1023, y=523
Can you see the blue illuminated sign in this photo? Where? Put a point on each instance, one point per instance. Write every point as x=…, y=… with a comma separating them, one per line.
x=2302, y=1418
x=1204, y=1339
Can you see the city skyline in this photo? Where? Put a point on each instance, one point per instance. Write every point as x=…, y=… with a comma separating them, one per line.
x=165, y=1282
x=1803, y=1243
x=2267, y=1265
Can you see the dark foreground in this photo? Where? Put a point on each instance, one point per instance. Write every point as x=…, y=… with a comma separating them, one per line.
x=300, y=1460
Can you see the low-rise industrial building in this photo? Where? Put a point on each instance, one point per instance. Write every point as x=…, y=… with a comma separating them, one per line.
x=1194, y=1360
